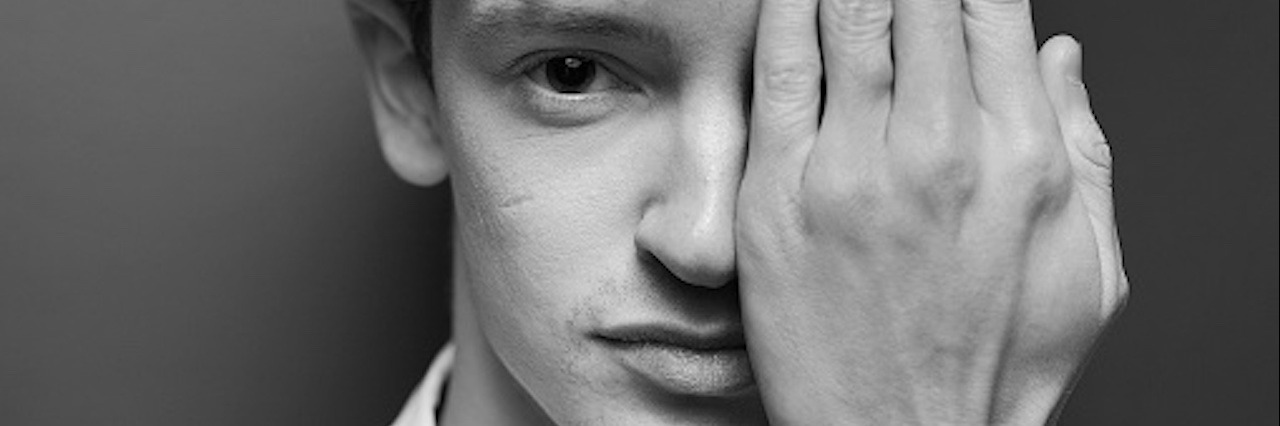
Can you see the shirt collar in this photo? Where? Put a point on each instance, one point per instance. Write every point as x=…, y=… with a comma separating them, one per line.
x=425, y=402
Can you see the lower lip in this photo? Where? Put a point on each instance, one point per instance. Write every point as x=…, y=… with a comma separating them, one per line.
x=685, y=371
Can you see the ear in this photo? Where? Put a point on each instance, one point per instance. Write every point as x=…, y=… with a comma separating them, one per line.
x=400, y=92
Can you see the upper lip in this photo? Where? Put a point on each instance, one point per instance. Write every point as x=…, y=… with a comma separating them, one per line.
x=720, y=338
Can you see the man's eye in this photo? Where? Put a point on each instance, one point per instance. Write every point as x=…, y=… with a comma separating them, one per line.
x=572, y=74
x=570, y=88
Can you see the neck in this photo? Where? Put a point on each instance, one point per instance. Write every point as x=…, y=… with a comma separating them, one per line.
x=481, y=390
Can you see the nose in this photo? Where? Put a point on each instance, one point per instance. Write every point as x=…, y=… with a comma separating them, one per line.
x=688, y=227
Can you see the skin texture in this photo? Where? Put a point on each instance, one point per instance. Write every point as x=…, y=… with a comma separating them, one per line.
x=932, y=254
x=931, y=242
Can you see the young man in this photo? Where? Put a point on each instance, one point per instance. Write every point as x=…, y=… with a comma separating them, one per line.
x=723, y=212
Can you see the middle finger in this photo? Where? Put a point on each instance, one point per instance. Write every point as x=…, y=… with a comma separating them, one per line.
x=931, y=68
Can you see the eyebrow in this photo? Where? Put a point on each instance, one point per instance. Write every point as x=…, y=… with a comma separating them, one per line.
x=538, y=17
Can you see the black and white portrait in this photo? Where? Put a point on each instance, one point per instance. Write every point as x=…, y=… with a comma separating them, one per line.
x=638, y=212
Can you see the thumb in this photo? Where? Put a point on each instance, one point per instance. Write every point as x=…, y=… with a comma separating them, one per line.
x=1090, y=156
x=1060, y=68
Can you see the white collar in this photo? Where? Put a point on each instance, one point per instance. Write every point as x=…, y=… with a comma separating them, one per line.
x=423, y=405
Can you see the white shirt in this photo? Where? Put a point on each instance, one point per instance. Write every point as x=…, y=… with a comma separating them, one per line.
x=424, y=403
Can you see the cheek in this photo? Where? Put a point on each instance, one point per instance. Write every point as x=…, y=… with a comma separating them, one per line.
x=549, y=210
x=541, y=234
x=546, y=224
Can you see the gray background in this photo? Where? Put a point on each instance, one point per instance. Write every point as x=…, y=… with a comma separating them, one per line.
x=197, y=227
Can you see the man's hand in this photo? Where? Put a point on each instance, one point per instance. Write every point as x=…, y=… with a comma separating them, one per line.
x=931, y=241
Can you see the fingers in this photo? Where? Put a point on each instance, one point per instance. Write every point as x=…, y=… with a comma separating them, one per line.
x=1090, y=156
x=856, y=52
x=1060, y=64
x=788, y=75
x=1002, y=55
x=930, y=66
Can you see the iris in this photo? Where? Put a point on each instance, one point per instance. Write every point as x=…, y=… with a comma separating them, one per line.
x=570, y=74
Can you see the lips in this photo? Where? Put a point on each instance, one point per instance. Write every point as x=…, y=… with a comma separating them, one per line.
x=682, y=360
x=719, y=339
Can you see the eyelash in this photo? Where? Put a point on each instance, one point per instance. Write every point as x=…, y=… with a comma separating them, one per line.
x=570, y=109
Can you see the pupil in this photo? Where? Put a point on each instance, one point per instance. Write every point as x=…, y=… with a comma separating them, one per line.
x=570, y=74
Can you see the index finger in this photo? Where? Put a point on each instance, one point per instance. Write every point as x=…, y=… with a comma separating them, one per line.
x=1002, y=51
x=788, y=74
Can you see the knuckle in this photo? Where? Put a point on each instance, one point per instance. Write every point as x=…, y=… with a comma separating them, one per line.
x=945, y=167
x=1038, y=168
x=789, y=80
x=853, y=201
x=1030, y=159
x=944, y=158
x=858, y=20
x=845, y=190
x=946, y=178
x=951, y=178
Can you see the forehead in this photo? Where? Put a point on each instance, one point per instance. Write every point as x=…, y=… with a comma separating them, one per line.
x=686, y=26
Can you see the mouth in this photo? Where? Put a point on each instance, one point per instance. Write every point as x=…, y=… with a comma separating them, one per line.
x=682, y=360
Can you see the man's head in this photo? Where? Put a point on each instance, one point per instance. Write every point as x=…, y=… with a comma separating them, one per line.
x=594, y=149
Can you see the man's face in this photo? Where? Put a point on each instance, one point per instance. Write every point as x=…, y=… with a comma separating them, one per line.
x=595, y=149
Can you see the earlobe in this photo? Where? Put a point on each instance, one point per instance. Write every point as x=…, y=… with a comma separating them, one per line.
x=401, y=98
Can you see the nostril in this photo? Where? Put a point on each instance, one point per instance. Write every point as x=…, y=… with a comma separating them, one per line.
x=700, y=260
